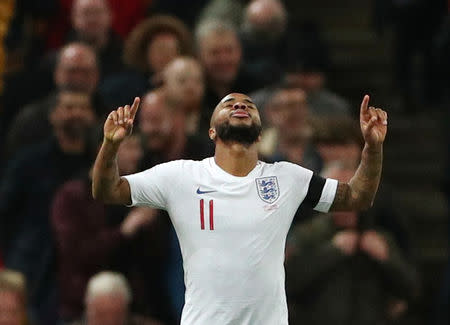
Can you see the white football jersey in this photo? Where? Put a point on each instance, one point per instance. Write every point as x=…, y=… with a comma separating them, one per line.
x=232, y=233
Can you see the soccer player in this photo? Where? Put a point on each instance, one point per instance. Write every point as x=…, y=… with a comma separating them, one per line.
x=232, y=212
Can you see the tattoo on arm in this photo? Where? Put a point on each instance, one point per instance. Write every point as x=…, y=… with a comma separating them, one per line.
x=360, y=191
x=342, y=197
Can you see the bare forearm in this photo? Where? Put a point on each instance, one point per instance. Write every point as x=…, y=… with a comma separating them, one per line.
x=359, y=192
x=105, y=177
x=364, y=184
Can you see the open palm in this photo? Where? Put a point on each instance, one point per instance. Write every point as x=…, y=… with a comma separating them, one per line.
x=119, y=123
x=373, y=123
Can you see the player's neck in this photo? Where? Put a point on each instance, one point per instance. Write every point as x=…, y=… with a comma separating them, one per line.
x=236, y=159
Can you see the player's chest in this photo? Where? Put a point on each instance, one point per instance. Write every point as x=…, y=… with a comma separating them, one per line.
x=230, y=206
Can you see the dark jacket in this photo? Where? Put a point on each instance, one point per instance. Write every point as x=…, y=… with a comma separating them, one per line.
x=26, y=192
x=325, y=286
x=88, y=240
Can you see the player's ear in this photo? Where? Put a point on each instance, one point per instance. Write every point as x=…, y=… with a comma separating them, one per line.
x=212, y=134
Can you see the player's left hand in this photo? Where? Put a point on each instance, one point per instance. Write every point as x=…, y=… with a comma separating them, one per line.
x=373, y=123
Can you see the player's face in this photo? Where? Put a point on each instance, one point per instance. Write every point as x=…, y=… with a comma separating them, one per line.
x=236, y=118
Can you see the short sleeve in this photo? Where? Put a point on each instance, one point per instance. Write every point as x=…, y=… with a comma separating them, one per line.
x=150, y=187
x=322, y=192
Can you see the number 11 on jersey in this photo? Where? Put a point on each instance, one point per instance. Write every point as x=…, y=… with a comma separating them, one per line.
x=202, y=214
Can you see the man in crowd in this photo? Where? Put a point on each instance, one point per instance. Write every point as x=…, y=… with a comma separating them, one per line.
x=110, y=240
x=91, y=24
x=264, y=39
x=310, y=75
x=184, y=86
x=26, y=193
x=289, y=137
x=163, y=132
x=76, y=68
x=107, y=299
x=220, y=53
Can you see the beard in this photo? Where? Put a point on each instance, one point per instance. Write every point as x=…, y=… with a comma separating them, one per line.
x=243, y=134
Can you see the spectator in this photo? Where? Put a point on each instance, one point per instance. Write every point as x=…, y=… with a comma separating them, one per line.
x=164, y=134
x=220, y=53
x=337, y=140
x=184, y=86
x=26, y=238
x=102, y=240
x=311, y=77
x=265, y=39
x=76, y=68
x=290, y=134
x=12, y=298
x=150, y=47
x=125, y=15
x=348, y=265
x=107, y=301
x=91, y=23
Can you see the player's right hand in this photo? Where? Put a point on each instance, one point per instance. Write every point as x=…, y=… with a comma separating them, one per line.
x=119, y=123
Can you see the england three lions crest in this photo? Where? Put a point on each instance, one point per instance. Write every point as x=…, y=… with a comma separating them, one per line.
x=268, y=189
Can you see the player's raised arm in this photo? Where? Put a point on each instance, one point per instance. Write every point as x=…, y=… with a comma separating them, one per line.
x=107, y=185
x=359, y=192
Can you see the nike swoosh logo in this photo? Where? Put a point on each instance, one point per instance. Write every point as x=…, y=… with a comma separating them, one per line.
x=203, y=192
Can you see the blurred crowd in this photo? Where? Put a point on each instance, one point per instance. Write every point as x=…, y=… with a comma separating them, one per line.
x=65, y=64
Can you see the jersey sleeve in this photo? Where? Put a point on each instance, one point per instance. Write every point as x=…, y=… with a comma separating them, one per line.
x=315, y=191
x=151, y=187
x=321, y=193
